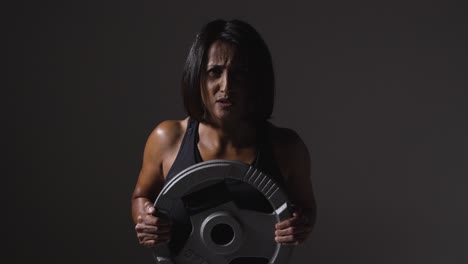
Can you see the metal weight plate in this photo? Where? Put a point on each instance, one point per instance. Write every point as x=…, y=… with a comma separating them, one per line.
x=223, y=231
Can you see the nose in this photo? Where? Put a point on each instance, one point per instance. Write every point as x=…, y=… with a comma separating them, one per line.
x=225, y=85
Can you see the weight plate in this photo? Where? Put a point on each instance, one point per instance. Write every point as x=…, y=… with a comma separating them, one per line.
x=223, y=231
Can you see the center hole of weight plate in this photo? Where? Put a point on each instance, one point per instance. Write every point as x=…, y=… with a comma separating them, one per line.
x=222, y=234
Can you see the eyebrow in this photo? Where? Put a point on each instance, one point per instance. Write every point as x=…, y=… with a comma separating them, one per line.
x=216, y=65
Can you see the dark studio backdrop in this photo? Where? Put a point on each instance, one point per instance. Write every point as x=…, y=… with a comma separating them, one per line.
x=377, y=90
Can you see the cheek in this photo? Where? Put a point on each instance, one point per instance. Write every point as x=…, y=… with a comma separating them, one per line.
x=211, y=87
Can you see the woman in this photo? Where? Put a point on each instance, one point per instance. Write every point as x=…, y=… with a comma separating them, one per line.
x=228, y=92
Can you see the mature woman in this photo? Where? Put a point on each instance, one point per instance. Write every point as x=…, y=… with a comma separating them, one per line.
x=228, y=92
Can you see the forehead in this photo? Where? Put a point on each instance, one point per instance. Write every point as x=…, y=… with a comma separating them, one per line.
x=221, y=53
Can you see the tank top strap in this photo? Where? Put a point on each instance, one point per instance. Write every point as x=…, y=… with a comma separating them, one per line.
x=186, y=156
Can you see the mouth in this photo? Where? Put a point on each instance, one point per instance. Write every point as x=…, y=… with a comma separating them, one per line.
x=225, y=102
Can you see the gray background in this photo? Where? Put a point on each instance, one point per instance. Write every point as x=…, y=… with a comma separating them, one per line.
x=377, y=90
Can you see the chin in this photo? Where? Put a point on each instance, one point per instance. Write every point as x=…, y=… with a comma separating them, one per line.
x=228, y=117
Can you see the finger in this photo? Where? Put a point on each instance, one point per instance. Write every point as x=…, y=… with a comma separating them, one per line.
x=288, y=223
x=142, y=237
x=297, y=212
x=293, y=221
x=149, y=208
x=285, y=239
x=293, y=230
x=149, y=243
x=153, y=220
x=152, y=243
x=291, y=238
x=142, y=228
x=299, y=241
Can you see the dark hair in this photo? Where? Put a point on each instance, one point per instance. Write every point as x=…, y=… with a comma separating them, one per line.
x=260, y=67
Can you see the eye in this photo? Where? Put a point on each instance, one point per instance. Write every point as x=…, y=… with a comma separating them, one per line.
x=239, y=74
x=215, y=72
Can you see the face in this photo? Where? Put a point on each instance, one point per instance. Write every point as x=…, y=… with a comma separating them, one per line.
x=224, y=83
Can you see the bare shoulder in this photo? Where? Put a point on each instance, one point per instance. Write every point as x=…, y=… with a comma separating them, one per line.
x=166, y=136
x=285, y=138
x=169, y=131
x=159, y=147
x=290, y=151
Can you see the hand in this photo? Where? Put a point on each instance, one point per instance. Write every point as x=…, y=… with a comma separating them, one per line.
x=152, y=230
x=293, y=231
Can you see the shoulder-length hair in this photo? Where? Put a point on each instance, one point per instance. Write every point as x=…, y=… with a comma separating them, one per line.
x=260, y=67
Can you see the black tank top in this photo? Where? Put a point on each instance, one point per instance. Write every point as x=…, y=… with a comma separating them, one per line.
x=244, y=195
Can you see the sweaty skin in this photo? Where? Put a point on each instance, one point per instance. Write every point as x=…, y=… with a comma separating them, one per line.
x=228, y=136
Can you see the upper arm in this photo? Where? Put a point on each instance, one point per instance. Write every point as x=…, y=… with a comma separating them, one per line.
x=159, y=146
x=294, y=159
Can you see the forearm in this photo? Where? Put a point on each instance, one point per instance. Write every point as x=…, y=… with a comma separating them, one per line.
x=138, y=207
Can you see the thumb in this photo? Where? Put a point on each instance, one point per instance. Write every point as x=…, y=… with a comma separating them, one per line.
x=149, y=208
x=297, y=212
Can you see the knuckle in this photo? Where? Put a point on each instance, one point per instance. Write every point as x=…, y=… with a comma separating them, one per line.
x=149, y=243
